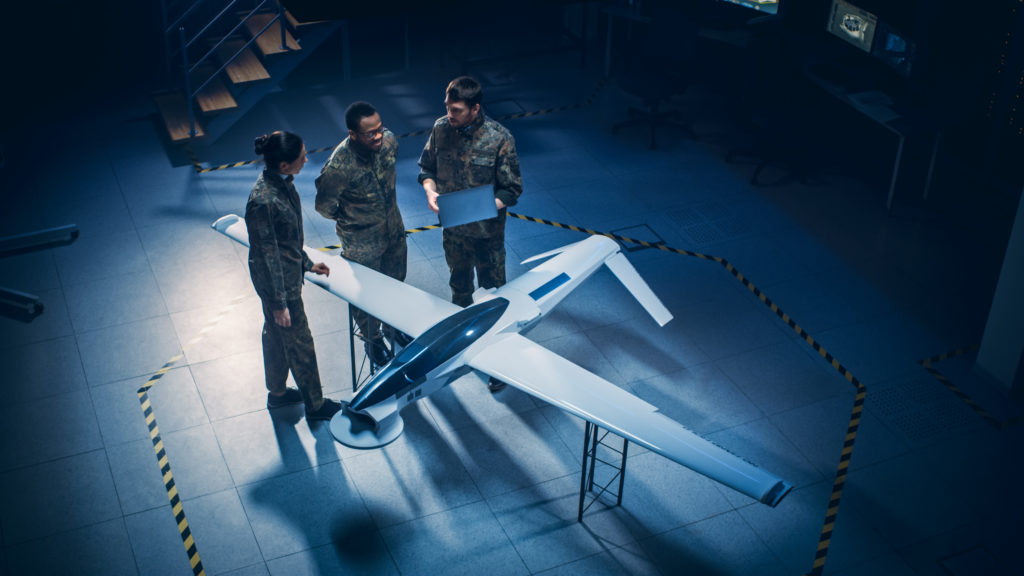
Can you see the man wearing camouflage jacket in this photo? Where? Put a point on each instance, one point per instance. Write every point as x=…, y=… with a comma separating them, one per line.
x=467, y=149
x=356, y=189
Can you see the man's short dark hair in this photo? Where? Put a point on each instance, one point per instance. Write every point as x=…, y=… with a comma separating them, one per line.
x=355, y=113
x=465, y=89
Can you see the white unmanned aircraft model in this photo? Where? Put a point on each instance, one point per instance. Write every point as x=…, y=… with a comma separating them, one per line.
x=451, y=341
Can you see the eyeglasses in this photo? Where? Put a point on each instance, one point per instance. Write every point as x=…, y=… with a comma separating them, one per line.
x=373, y=133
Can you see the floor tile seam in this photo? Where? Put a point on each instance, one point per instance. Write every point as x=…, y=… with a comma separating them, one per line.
x=90, y=331
x=828, y=474
x=381, y=529
x=106, y=454
x=66, y=532
x=809, y=377
x=215, y=421
x=606, y=548
x=655, y=534
x=449, y=427
x=67, y=309
x=252, y=531
x=501, y=525
x=766, y=544
x=118, y=323
x=284, y=473
x=54, y=460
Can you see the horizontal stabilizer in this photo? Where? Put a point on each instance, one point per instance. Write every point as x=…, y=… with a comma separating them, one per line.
x=550, y=253
x=636, y=285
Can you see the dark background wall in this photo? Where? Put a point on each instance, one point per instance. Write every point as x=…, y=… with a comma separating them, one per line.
x=70, y=56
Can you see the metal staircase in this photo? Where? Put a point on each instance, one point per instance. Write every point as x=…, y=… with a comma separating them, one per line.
x=223, y=56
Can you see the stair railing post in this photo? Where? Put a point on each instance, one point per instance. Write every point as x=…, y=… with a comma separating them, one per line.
x=188, y=87
x=280, y=16
x=168, y=73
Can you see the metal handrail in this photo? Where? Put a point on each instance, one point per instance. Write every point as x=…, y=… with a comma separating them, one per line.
x=229, y=60
x=188, y=70
x=217, y=17
x=225, y=37
x=168, y=28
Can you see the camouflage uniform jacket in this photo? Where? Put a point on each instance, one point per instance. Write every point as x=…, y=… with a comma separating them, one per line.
x=277, y=262
x=482, y=153
x=356, y=188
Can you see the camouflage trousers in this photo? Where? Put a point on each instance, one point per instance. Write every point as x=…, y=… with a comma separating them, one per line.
x=465, y=255
x=291, y=349
x=388, y=257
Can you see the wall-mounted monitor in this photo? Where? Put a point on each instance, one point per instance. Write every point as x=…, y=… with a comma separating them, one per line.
x=766, y=6
x=855, y=25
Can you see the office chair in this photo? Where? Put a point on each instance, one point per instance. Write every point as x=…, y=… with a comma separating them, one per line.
x=658, y=69
x=774, y=110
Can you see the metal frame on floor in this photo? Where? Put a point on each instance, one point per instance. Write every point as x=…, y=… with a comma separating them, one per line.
x=358, y=378
x=591, y=440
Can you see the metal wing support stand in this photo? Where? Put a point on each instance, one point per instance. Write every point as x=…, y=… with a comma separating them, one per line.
x=592, y=438
x=20, y=305
x=366, y=363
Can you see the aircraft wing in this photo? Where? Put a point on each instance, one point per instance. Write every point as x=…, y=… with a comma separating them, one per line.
x=541, y=373
x=396, y=303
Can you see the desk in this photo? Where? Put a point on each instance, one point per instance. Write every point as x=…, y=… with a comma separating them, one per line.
x=877, y=106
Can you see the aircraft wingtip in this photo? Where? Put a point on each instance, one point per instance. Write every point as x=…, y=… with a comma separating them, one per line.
x=777, y=492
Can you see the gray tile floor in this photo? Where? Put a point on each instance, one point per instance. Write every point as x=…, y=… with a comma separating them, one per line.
x=482, y=483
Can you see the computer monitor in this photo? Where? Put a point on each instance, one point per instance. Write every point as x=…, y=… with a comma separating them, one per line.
x=852, y=24
x=893, y=48
x=766, y=6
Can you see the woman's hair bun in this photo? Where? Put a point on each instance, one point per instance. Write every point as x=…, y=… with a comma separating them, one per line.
x=261, y=143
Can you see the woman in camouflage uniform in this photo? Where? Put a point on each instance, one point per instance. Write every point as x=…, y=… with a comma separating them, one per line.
x=277, y=265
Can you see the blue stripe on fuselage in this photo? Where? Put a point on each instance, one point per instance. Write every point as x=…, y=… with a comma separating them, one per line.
x=549, y=286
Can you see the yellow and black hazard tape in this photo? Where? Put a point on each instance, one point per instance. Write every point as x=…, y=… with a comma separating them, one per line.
x=564, y=108
x=193, y=158
x=198, y=166
x=158, y=444
x=861, y=391
x=927, y=363
x=407, y=232
x=154, y=431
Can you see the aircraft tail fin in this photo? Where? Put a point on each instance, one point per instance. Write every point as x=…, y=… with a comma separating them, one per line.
x=631, y=279
x=550, y=253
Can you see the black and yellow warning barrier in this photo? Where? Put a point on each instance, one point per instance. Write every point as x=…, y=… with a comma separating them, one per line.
x=928, y=364
x=198, y=166
x=158, y=444
x=839, y=481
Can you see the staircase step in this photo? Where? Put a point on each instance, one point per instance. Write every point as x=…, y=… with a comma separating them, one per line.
x=174, y=112
x=246, y=67
x=215, y=97
x=270, y=41
x=297, y=24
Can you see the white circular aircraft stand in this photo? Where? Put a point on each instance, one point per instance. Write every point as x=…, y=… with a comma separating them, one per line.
x=358, y=431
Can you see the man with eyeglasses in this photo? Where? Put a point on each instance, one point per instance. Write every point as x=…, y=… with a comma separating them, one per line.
x=466, y=149
x=356, y=189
